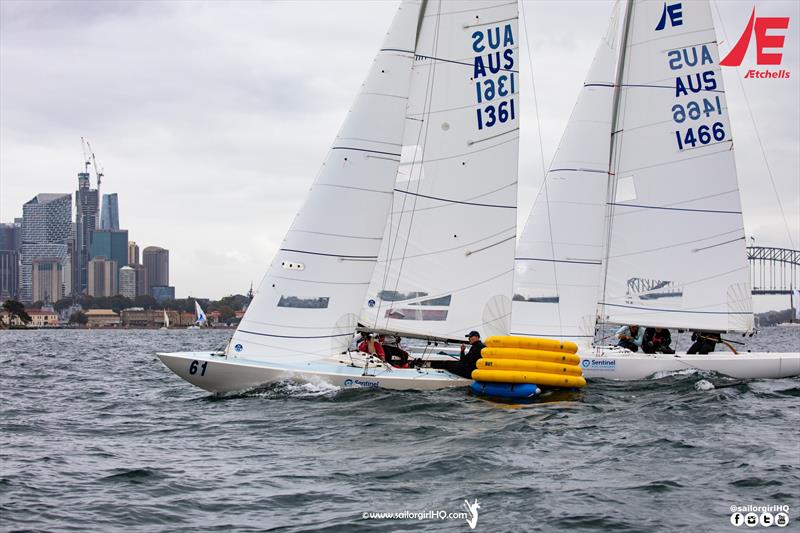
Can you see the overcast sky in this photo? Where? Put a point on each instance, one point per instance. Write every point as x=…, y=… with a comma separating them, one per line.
x=211, y=119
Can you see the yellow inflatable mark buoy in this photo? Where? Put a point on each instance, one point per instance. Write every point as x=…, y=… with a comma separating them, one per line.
x=538, y=378
x=529, y=366
x=531, y=343
x=531, y=355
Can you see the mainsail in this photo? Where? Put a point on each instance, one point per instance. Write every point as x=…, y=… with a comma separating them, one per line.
x=201, y=316
x=675, y=245
x=445, y=265
x=642, y=224
x=560, y=251
x=307, y=304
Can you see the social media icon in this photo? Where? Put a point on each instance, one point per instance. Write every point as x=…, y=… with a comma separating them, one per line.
x=781, y=519
x=737, y=519
x=766, y=519
x=751, y=519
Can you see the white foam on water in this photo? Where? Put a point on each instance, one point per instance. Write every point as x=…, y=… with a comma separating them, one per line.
x=704, y=385
x=667, y=373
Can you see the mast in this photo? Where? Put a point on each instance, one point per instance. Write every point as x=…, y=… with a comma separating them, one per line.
x=612, y=178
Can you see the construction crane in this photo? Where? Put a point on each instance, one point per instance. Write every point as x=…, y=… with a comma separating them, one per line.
x=97, y=171
x=86, y=160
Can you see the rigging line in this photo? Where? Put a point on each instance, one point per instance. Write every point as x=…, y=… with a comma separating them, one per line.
x=472, y=152
x=719, y=244
x=487, y=193
x=300, y=280
x=667, y=246
x=350, y=187
x=470, y=252
x=342, y=256
x=541, y=158
x=393, y=237
x=389, y=260
x=684, y=209
x=455, y=201
x=336, y=235
x=295, y=336
x=576, y=262
x=470, y=143
x=363, y=150
x=660, y=310
x=613, y=155
x=758, y=137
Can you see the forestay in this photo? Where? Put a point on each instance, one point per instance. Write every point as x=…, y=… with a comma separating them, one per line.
x=446, y=263
x=307, y=304
x=560, y=251
x=675, y=237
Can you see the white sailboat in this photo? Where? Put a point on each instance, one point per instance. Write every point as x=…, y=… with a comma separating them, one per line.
x=639, y=220
x=166, y=320
x=200, y=319
x=412, y=216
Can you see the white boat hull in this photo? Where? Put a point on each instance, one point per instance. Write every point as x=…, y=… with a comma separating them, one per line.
x=217, y=373
x=624, y=365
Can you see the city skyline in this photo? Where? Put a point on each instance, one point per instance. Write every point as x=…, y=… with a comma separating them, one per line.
x=215, y=170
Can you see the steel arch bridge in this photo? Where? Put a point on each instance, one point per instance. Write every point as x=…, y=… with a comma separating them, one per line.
x=773, y=270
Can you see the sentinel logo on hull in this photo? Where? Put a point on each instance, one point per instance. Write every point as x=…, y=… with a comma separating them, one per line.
x=599, y=364
x=361, y=383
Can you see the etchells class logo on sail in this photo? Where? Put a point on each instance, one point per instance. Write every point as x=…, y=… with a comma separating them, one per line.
x=767, y=37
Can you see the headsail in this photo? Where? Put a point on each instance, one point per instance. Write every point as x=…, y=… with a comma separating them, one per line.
x=201, y=316
x=560, y=251
x=445, y=265
x=307, y=304
x=675, y=252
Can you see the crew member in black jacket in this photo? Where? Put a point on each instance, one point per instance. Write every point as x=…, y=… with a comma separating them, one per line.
x=469, y=359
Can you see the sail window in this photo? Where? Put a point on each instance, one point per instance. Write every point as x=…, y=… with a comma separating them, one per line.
x=626, y=189
x=304, y=303
x=397, y=296
x=434, y=315
x=442, y=300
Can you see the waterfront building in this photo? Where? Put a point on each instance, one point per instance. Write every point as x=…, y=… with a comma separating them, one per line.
x=109, y=213
x=133, y=253
x=102, y=279
x=127, y=282
x=86, y=221
x=47, y=280
x=162, y=293
x=156, y=265
x=9, y=274
x=46, y=231
x=41, y=318
x=101, y=318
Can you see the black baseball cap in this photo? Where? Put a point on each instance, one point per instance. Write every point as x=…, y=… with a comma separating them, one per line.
x=473, y=333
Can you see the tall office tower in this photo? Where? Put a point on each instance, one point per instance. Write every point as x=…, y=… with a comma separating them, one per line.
x=48, y=280
x=10, y=236
x=46, y=226
x=127, y=282
x=86, y=219
x=133, y=253
x=141, y=280
x=102, y=277
x=9, y=274
x=156, y=267
x=111, y=244
x=109, y=214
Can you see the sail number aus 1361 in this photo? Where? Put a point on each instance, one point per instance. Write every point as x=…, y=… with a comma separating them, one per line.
x=491, y=114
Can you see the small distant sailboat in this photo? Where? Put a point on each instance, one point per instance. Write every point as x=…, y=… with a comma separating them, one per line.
x=200, y=320
x=166, y=320
x=794, y=303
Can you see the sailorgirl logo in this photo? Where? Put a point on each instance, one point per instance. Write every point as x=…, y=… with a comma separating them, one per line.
x=763, y=41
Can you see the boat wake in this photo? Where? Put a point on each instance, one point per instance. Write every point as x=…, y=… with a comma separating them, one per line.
x=293, y=389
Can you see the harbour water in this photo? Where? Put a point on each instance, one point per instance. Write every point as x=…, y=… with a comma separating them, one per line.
x=98, y=436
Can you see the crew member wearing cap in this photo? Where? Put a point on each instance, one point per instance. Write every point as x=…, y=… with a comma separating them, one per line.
x=469, y=359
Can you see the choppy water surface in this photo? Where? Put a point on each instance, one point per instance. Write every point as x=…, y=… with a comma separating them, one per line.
x=98, y=435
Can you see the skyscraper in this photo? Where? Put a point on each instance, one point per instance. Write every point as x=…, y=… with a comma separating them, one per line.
x=127, y=282
x=111, y=244
x=86, y=219
x=109, y=215
x=10, y=236
x=133, y=253
x=156, y=266
x=9, y=274
x=46, y=228
x=102, y=277
x=47, y=280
